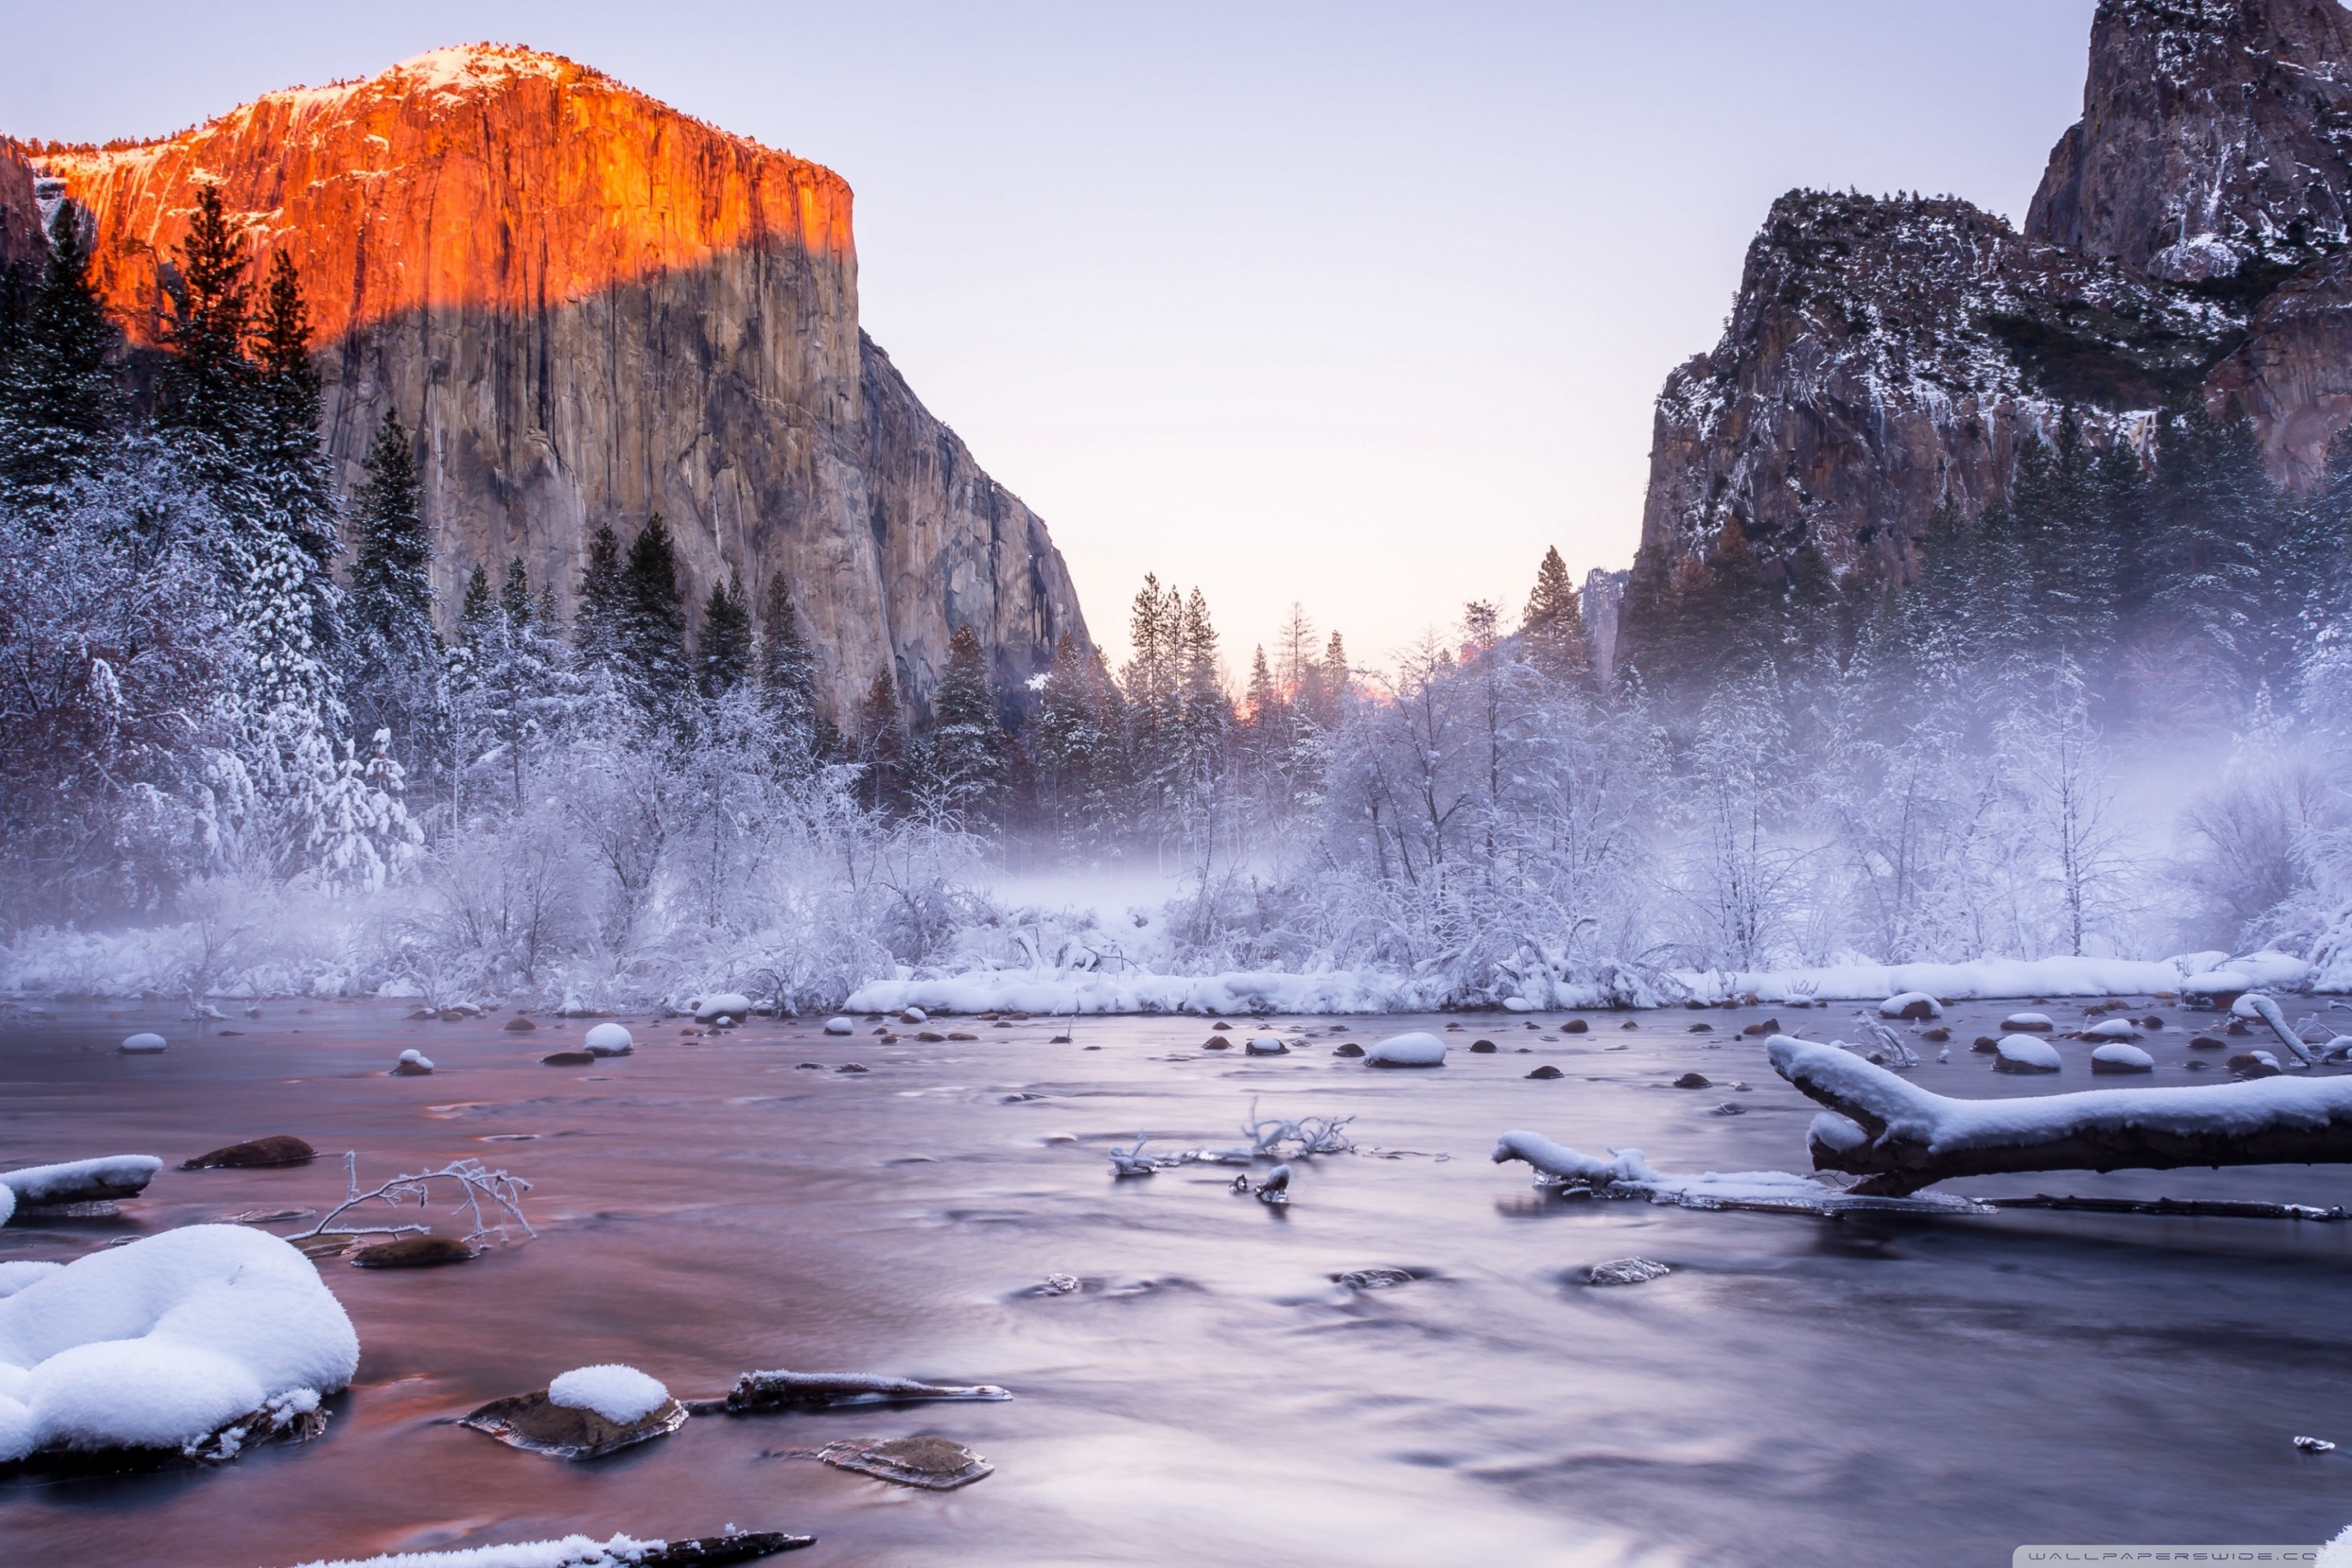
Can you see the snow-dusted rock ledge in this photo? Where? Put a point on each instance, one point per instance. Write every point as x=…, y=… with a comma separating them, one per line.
x=1883, y=1126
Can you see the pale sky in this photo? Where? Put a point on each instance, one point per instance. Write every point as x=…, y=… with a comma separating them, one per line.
x=1357, y=305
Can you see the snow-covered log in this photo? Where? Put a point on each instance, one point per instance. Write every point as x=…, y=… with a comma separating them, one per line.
x=584, y=1551
x=1903, y=1138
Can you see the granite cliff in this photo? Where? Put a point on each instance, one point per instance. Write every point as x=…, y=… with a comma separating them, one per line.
x=590, y=307
x=2190, y=241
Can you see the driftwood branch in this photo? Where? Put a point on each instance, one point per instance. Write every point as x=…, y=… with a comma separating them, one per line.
x=1903, y=1138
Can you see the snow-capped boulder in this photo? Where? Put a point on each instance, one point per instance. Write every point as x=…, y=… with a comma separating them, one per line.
x=2023, y=1053
x=2115, y=1057
x=619, y=1394
x=143, y=1045
x=1911, y=1004
x=842, y=1026
x=914, y=1015
x=2112, y=1029
x=97, y=1181
x=732, y=1006
x=609, y=1040
x=1517, y=1004
x=413, y=1063
x=2027, y=1024
x=166, y=1342
x=1414, y=1050
x=1266, y=1046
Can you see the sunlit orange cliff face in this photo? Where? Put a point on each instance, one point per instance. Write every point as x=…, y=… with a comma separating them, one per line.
x=481, y=176
x=590, y=307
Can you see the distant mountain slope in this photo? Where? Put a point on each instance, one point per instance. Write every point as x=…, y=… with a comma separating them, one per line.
x=590, y=307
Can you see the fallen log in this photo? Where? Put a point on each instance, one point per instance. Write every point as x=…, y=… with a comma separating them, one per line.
x=1902, y=1138
x=2190, y=1208
x=757, y=1392
x=582, y=1551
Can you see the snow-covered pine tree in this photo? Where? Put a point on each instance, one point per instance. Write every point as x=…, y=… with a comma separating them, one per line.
x=394, y=660
x=1552, y=630
x=207, y=406
x=961, y=770
x=723, y=653
x=285, y=457
x=655, y=667
x=787, y=671
x=598, y=629
x=881, y=747
x=60, y=405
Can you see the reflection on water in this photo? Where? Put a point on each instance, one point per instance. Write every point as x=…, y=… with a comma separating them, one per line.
x=1798, y=1391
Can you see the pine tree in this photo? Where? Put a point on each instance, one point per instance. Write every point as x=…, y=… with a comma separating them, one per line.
x=477, y=612
x=654, y=661
x=881, y=745
x=598, y=630
x=788, y=677
x=208, y=381
x=61, y=406
x=1552, y=630
x=962, y=766
x=396, y=665
x=514, y=599
x=286, y=456
x=724, y=652
x=1079, y=752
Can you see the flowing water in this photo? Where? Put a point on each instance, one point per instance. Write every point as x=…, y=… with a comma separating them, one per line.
x=1871, y=1390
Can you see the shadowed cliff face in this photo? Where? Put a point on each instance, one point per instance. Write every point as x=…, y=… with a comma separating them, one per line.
x=20, y=216
x=2214, y=133
x=1888, y=354
x=2192, y=239
x=590, y=307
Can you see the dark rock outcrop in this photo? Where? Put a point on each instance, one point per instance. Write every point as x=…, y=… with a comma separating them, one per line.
x=1885, y=356
x=2191, y=241
x=590, y=307
x=2215, y=133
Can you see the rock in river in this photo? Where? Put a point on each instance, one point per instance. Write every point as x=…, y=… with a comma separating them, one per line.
x=932, y=1463
x=278, y=1150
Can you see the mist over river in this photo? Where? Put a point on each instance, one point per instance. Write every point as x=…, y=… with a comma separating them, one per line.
x=1875, y=1389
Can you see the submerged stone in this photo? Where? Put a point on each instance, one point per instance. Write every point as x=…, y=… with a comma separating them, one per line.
x=1626, y=1271
x=934, y=1464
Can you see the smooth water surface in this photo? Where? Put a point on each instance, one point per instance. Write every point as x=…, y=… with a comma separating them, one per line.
x=1798, y=1391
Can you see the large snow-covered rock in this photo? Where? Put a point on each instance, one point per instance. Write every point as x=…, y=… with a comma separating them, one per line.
x=1414, y=1050
x=1911, y=1005
x=2023, y=1053
x=610, y=1040
x=729, y=1005
x=161, y=1342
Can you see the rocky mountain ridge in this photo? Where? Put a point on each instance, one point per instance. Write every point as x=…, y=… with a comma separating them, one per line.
x=590, y=307
x=1885, y=356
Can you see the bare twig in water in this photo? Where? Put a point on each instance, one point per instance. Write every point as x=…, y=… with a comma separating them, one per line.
x=477, y=1184
x=1313, y=1135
